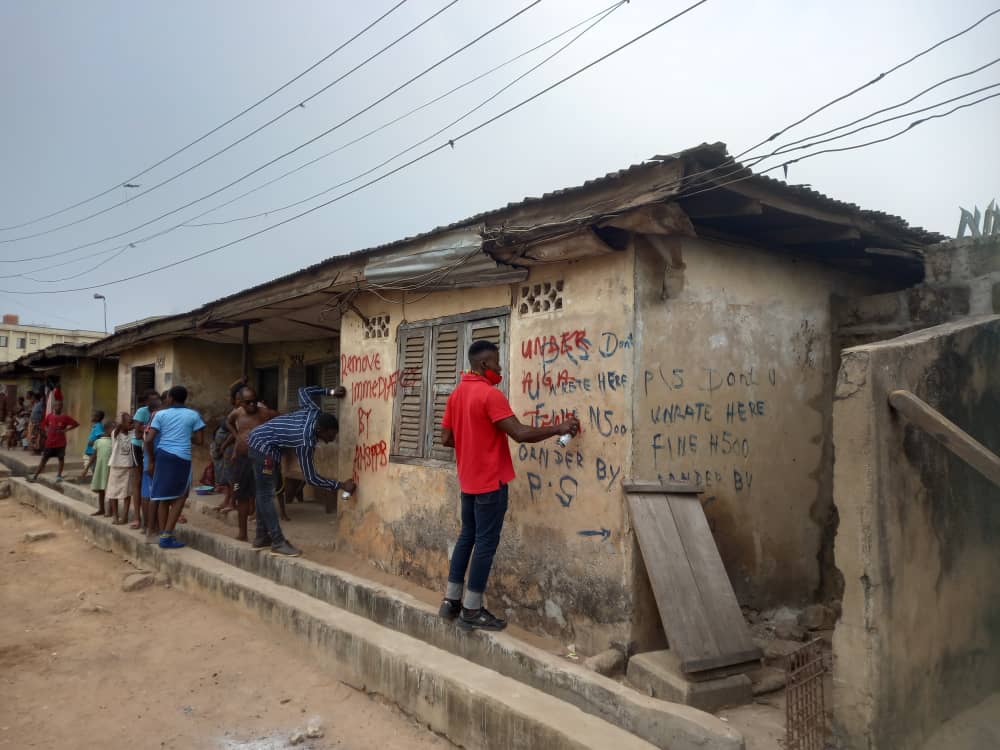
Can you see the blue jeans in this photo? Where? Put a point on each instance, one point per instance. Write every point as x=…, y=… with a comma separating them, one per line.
x=267, y=515
x=482, y=522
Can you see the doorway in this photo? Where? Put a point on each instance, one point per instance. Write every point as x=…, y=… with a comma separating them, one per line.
x=143, y=380
x=267, y=385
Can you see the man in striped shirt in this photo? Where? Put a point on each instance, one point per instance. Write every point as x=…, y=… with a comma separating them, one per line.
x=300, y=430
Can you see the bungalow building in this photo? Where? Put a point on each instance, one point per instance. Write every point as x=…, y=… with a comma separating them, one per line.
x=681, y=308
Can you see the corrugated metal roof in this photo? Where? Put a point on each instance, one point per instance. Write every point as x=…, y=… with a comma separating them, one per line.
x=714, y=153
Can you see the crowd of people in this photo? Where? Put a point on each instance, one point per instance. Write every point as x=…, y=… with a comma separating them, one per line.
x=141, y=464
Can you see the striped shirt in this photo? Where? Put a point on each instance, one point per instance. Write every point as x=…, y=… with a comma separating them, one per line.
x=295, y=430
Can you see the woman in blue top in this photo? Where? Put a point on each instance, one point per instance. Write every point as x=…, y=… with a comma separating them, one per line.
x=96, y=431
x=174, y=429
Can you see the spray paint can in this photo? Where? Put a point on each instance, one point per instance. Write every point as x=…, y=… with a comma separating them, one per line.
x=564, y=439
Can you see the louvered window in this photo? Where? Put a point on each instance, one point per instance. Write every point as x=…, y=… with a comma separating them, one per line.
x=432, y=356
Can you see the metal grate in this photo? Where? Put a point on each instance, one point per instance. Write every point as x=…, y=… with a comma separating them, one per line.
x=805, y=718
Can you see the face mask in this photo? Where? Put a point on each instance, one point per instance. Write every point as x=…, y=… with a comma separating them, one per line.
x=492, y=377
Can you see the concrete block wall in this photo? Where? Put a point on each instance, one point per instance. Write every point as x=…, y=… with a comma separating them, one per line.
x=918, y=643
x=962, y=278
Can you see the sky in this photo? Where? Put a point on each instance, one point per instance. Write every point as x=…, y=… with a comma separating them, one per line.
x=96, y=92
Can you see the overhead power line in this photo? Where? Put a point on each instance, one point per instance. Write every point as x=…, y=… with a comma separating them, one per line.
x=743, y=171
x=210, y=157
x=288, y=153
x=588, y=22
x=895, y=106
x=433, y=135
x=214, y=130
x=872, y=82
x=401, y=117
x=447, y=144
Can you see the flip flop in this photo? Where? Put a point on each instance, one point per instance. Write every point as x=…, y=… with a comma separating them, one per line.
x=134, y=526
x=182, y=519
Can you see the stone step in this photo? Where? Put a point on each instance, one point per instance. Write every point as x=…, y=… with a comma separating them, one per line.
x=471, y=705
x=661, y=722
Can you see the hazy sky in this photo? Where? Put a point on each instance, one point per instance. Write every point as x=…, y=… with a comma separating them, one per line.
x=95, y=91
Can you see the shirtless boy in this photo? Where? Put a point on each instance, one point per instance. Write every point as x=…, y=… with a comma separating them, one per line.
x=248, y=415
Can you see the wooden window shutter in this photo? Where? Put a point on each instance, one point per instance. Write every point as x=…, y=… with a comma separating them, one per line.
x=295, y=379
x=447, y=356
x=410, y=412
x=493, y=330
x=330, y=379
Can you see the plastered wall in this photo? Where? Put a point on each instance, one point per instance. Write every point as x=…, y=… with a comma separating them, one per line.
x=734, y=391
x=919, y=638
x=563, y=565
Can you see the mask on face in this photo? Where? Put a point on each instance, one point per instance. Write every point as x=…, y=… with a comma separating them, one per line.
x=493, y=377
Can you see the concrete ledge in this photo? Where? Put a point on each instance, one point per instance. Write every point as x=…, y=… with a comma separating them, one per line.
x=472, y=706
x=666, y=725
x=657, y=674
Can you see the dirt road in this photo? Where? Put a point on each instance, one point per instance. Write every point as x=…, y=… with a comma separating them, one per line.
x=84, y=664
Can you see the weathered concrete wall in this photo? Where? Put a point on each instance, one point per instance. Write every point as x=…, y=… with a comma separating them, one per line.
x=577, y=359
x=206, y=370
x=159, y=354
x=734, y=390
x=919, y=638
x=280, y=354
x=87, y=385
x=962, y=278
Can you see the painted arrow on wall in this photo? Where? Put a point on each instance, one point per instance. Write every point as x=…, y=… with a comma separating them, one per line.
x=603, y=533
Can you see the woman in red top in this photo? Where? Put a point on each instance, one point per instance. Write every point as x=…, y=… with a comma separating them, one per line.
x=56, y=425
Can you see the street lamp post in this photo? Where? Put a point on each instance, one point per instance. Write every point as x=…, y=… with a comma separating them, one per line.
x=103, y=299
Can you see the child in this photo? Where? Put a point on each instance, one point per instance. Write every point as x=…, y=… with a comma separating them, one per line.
x=10, y=436
x=99, y=461
x=96, y=431
x=120, y=463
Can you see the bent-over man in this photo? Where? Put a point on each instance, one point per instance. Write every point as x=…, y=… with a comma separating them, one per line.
x=301, y=430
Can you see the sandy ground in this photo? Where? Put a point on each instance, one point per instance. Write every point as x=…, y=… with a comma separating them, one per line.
x=84, y=664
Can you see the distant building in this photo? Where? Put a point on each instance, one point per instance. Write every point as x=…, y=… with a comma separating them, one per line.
x=18, y=339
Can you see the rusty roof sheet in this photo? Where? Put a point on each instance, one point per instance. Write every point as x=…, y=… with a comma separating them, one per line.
x=715, y=153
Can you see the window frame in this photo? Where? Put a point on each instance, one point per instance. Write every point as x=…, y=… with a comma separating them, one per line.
x=427, y=388
x=21, y=342
x=4, y=341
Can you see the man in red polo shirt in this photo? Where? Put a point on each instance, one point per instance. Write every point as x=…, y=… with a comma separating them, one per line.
x=477, y=421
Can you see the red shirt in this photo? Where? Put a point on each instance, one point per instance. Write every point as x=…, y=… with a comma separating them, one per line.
x=481, y=449
x=54, y=437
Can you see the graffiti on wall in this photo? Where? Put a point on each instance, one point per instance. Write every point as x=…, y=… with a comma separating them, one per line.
x=700, y=419
x=565, y=374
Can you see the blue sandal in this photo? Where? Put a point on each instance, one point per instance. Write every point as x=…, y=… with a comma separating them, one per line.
x=167, y=541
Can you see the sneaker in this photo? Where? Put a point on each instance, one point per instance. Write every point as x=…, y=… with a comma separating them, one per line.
x=167, y=541
x=450, y=609
x=480, y=619
x=260, y=544
x=286, y=550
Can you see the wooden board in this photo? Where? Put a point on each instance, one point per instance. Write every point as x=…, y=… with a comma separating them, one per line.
x=700, y=614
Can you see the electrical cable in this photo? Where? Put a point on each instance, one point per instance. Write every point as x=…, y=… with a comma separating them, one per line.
x=424, y=140
x=594, y=20
x=395, y=120
x=214, y=130
x=450, y=143
x=287, y=153
x=872, y=82
x=235, y=143
x=900, y=104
